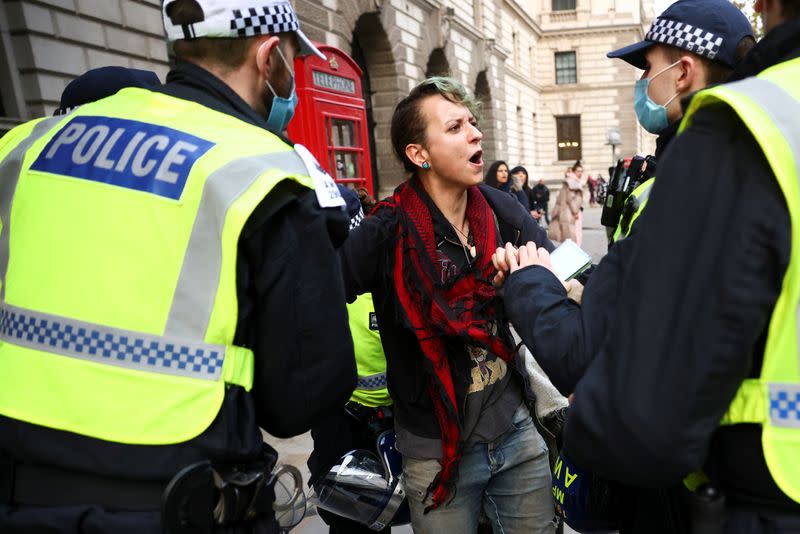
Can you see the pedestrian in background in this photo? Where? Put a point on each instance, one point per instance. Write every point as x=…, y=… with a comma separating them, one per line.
x=170, y=252
x=602, y=190
x=497, y=176
x=500, y=178
x=567, y=220
x=592, y=184
x=520, y=187
x=462, y=424
x=540, y=200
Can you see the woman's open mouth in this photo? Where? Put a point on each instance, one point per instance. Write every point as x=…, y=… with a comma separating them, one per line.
x=477, y=158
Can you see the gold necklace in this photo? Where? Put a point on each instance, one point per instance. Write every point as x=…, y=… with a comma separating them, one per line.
x=472, y=250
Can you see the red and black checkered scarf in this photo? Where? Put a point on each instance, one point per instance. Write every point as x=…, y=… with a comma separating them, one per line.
x=458, y=309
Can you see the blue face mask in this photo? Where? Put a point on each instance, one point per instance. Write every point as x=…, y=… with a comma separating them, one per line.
x=652, y=116
x=282, y=110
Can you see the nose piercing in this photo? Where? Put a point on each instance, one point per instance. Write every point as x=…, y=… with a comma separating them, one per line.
x=426, y=165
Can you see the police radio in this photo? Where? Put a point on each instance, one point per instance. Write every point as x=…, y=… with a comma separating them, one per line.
x=623, y=181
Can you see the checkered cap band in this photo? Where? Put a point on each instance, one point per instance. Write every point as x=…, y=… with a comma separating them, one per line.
x=371, y=383
x=686, y=36
x=784, y=405
x=278, y=18
x=356, y=219
x=101, y=344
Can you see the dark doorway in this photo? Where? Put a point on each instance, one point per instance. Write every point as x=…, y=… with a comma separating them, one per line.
x=373, y=53
x=484, y=95
x=437, y=64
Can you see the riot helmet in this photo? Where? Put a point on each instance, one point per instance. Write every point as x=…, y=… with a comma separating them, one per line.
x=365, y=487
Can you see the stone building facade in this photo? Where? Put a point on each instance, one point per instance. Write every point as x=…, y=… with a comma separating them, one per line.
x=44, y=44
x=538, y=66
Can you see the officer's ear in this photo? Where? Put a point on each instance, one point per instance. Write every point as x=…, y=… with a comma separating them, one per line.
x=265, y=59
x=691, y=74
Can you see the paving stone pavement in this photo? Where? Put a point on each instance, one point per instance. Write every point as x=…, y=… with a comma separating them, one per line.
x=595, y=241
x=295, y=450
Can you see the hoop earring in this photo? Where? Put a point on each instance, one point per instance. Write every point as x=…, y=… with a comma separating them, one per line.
x=426, y=165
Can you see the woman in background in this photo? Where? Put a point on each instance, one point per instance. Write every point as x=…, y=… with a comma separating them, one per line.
x=567, y=220
x=498, y=177
x=520, y=187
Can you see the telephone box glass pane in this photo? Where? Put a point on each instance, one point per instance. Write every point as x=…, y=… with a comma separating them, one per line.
x=346, y=165
x=343, y=132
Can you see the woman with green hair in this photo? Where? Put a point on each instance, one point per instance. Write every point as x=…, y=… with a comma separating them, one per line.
x=425, y=253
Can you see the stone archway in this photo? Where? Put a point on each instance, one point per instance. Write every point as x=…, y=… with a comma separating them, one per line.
x=438, y=65
x=372, y=50
x=488, y=117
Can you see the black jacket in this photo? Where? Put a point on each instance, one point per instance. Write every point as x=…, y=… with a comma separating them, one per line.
x=367, y=257
x=291, y=314
x=562, y=335
x=692, y=315
x=539, y=197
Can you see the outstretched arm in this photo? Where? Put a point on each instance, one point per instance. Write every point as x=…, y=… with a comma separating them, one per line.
x=304, y=353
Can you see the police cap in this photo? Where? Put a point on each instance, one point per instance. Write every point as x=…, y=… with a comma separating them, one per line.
x=709, y=28
x=241, y=18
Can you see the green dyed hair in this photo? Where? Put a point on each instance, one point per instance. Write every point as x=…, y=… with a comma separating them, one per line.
x=408, y=123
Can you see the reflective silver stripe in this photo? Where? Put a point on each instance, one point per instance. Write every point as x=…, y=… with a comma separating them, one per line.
x=784, y=110
x=645, y=194
x=372, y=382
x=112, y=346
x=10, y=169
x=197, y=286
x=784, y=405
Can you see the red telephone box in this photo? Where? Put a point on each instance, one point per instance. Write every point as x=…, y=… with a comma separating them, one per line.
x=331, y=118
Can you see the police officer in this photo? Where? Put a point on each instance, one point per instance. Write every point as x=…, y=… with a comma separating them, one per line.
x=101, y=82
x=169, y=284
x=702, y=369
x=677, y=61
x=565, y=337
x=369, y=410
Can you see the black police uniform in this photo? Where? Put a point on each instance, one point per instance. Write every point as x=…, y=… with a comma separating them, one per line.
x=692, y=320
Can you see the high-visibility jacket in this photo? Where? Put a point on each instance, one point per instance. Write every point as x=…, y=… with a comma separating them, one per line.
x=371, y=387
x=634, y=205
x=769, y=106
x=118, y=247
